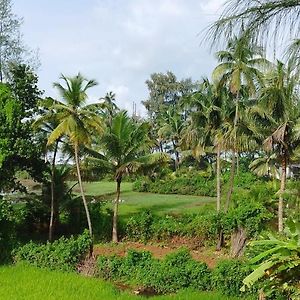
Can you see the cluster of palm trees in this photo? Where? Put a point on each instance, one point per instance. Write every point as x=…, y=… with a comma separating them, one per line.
x=250, y=105
x=98, y=133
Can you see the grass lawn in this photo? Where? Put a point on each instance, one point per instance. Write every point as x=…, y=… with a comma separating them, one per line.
x=101, y=187
x=23, y=282
x=134, y=202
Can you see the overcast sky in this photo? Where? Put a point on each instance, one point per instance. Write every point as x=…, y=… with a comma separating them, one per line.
x=118, y=42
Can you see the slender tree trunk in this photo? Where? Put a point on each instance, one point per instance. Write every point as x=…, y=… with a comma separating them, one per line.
x=161, y=147
x=218, y=177
x=83, y=196
x=232, y=170
x=237, y=163
x=52, y=214
x=176, y=156
x=282, y=189
x=231, y=182
x=115, y=216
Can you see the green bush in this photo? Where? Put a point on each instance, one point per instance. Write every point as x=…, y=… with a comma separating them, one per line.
x=178, y=270
x=205, y=225
x=7, y=231
x=191, y=184
x=146, y=226
x=250, y=215
x=138, y=227
x=63, y=254
x=228, y=276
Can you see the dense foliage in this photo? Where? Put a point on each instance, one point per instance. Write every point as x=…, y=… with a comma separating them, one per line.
x=178, y=270
x=63, y=254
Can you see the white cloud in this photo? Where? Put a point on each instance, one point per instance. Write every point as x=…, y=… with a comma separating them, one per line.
x=119, y=43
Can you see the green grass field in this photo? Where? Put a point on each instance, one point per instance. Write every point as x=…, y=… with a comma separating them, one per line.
x=23, y=282
x=134, y=202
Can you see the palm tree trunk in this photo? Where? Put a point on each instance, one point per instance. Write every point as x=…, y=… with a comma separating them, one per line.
x=232, y=170
x=218, y=177
x=176, y=156
x=231, y=182
x=115, y=217
x=221, y=233
x=52, y=214
x=83, y=196
x=282, y=189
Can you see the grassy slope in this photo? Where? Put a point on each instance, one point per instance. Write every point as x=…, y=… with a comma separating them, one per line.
x=135, y=201
x=24, y=282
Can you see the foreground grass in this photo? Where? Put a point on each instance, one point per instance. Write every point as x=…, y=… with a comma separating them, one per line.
x=25, y=282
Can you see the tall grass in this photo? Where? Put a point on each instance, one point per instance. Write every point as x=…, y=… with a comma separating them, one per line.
x=23, y=282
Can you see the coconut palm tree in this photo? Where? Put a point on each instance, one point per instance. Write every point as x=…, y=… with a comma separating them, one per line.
x=123, y=149
x=76, y=121
x=238, y=71
x=109, y=107
x=203, y=132
x=266, y=165
x=280, y=103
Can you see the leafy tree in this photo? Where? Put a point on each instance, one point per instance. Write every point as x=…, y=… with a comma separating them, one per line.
x=171, y=129
x=20, y=145
x=76, y=120
x=123, y=149
x=165, y=91
x=12, y=49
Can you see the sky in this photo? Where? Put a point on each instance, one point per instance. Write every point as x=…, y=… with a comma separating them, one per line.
x=120, y=43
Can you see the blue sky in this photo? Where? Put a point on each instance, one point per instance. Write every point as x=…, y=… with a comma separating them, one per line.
x=118, y=42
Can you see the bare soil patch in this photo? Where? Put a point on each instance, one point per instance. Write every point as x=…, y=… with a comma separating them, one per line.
x=207, y=255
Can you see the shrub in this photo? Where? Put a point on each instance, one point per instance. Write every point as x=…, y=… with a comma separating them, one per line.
x=192, y=183
x=7, y=231
x=228, y=276
x=249, y=215
x=63, y=254
x=178, y=270
x=205, y=226
x=138, y=227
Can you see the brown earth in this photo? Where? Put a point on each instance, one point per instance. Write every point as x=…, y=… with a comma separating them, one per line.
x=207, y=255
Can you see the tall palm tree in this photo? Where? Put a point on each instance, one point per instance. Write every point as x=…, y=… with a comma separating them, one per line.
x=123, y=149
x=109, y=107
x=280, y=102
x=76, y=121
x=238, y=71
x=203, y=133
